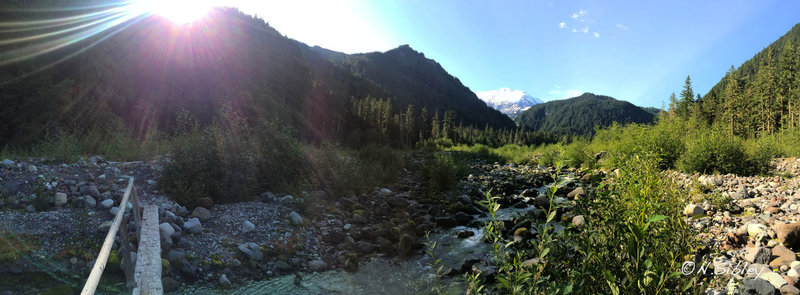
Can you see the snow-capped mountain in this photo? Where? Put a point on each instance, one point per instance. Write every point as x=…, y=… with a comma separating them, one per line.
x=507, y=101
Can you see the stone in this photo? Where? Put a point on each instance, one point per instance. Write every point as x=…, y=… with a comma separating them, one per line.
x=193, y=226
x=107, y=203
x=201, y=213
x=33, y=169
x=397, y=202
x=789, y=290
x=31, y=209
x=783, y=256
x=89, y=202
x=247, y=226
x=224, y=282
x=405, y=245
x=205, y=202
x=363, y=247
x=317, y=265
x=789, y=234
x=295, y=218
x=170, y=284
x=60, y=199
x=252, y=251
x=759, y=255
x=173, y=255
x=350, y=262
x=773, y=278
x=464, y=199
x=576, y=193
x=113, y=210
x=268, y=197
x=104, y=227
x=756, y=286
x=754, y=229
x=90, y=190
x=693, y=210
x=166, y=230
x=463, y=234
x=384, y=192
x=469, y=261
x=8, y=162
x=578, y=221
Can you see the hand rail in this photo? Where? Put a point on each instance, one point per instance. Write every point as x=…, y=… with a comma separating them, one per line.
x=100, y=265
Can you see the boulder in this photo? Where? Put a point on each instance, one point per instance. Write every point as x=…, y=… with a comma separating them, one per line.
x=170, y=284
x=224, y=282
x=397, y=202
x=166, y=230
x=789, y=289
x=775, y=279
x=783, y=256
x=90, y=190
x=295, y=218
x=201, y=213
x=193, y=226
x=60, y=199
x=758, y=255
x=89, y=202
x=317, y=265
x=252, y=251
x=384, y=192
x=789, y=234
x=756, y=286
x=693, y=210
x=754, y=229
x=406, y=245
x=576, y=193
x=104, y=227
x=247, y=226
x=107, y=203
x=205, y=202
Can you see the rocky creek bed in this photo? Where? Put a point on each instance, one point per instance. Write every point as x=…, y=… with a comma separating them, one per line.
x=358, y=244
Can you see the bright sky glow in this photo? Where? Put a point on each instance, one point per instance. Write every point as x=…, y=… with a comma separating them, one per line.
x=640, y=51
x=178, y=11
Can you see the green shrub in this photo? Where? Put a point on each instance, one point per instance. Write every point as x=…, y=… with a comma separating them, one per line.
x=577, y=154
x=444, y=171
x=41, y=200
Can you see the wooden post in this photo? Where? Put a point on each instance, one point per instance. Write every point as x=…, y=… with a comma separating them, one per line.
x=102, y=258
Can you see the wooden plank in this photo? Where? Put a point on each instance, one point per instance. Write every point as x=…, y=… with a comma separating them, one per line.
x=148, y=259
x=102, y=258
x=125, y=253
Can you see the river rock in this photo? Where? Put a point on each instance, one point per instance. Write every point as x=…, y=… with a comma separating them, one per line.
x=170, y=284
x=756, y=286
x=33, y=169
x=576, y=193
x=693, y=210
x=789, y=234
x=8, y=162
x=405, y=245
x=252, y=251
x=201, y=213
x=295, y=218
x=397, y=202
x=89, y=202
x=773, y=278
x=754, y=229
x=758, y=255
x=784, y=256
x=90, y=190
x=578, y=221
x=193, y=225
x=789, y=289
x=317, y=265
x=247, y=226
x=224, y=282
x=107, y=203
x=384, y=192
x=166, y=230
x=104, y=227
x=60, y=199
x=205, y=202
x=113, y=210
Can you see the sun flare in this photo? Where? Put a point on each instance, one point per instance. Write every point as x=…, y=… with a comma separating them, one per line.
x=178, y=11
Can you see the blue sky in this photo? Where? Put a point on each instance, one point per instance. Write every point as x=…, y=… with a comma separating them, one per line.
x=640, y=51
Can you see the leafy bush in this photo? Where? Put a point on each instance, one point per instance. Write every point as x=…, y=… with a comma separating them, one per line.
x=444, y=171
x=716, y=151
x=577, y=154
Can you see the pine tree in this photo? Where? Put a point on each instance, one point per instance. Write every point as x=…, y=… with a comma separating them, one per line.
x=673, y=105
x=732, y=97
x=687, y=99
x=435, y=125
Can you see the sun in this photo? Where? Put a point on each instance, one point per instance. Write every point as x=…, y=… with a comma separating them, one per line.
x=178, y=11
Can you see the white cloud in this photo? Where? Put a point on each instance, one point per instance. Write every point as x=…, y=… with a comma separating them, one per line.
x=557, y=93
x=562, y=25
x=575, y=15
x=574, y=30
x=622, y=27
x=585, y=30
x=582, y=12
x=596, y=35
x=572, y=93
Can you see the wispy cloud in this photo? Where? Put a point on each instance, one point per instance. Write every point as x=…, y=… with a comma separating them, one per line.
x=596, y=35
x=575, y=15
x=562, y=25
x=585, y=30
x=558, y=93
x=574, y=30
x=580, y=16
x=622, y=27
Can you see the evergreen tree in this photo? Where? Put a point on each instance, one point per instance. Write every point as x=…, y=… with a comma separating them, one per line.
x=687, y=99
